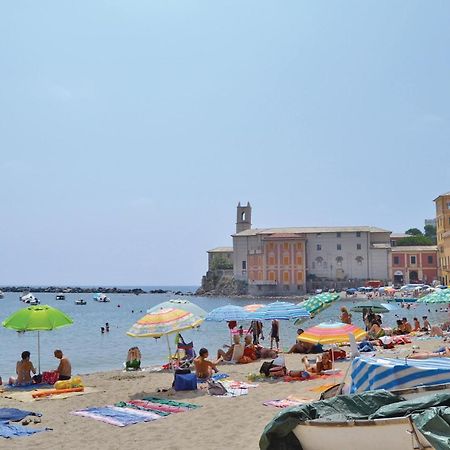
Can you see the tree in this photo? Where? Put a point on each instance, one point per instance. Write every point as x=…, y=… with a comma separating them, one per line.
x=430, y=232
x=414, y=240
x=219, y=262
x=414, y=232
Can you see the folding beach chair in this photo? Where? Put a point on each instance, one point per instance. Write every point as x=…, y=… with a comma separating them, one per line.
x=185, y=353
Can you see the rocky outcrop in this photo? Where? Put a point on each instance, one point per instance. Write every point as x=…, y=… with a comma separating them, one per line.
x=215, y=283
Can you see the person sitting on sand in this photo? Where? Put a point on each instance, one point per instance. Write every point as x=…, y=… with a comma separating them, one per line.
x=406, y=325
x=345, y=316
x=133, y=361
x=416, y=324
x=323, y=362
x=226, y=356
x=375, y=331
x=24, y=367
x=64, y=368
x=400, y=329
x=426, y=325
x=425, y=355
x=203, y=367
x=304, y=347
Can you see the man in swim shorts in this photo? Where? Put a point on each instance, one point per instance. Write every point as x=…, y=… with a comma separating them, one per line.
x=64, y=368
x=203, y=367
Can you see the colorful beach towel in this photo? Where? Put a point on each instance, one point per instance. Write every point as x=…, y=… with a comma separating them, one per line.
x=286, y=402
x=118, y=416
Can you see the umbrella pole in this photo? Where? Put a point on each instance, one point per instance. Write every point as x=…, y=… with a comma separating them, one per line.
x=170, y=353
x=39, y=353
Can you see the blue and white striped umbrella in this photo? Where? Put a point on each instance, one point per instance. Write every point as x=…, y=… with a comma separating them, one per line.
x=228, y=313
x=383, y=373
x=280, y=311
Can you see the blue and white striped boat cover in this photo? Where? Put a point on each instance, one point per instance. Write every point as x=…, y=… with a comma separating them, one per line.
x=383, y=373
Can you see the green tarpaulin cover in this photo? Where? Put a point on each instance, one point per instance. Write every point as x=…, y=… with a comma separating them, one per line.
x=278, y=433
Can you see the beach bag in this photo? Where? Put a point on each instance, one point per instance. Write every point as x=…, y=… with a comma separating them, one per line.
x=185, y=382
x=50, y=377
x=265, y=368
x=216, y=388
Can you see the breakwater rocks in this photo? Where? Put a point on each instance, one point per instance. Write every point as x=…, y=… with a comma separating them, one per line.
x=88, y=290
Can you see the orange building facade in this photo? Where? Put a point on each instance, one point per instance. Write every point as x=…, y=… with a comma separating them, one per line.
x=279, y=265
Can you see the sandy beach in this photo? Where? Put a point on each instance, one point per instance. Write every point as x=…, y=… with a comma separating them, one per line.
x=220, y=423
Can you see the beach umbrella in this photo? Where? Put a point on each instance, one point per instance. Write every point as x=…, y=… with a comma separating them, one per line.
x=253, y=307
x=331, y=333
x=37, y=318
x=442, y=296
x=376, y=308
x=228, y=313
x=390, y=306
x=164, y=322
x=280, y=311
x=185, y=305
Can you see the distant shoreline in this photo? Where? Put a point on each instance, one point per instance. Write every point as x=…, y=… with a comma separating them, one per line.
x=88, y=290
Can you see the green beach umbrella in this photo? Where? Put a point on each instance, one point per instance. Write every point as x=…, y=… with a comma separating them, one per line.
x=316, y=304
x=442, y=296
x=37, y=318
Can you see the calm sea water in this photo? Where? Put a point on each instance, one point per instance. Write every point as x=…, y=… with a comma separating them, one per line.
x=90, y=351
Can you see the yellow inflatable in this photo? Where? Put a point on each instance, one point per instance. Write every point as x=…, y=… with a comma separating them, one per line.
x=67, y=384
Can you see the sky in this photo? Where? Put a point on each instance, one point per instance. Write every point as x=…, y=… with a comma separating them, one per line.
x=130, y=130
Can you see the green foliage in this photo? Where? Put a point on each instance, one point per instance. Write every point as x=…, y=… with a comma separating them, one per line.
x=219, y=262
x=430, y=232
x=414, y=232
x=414, y=240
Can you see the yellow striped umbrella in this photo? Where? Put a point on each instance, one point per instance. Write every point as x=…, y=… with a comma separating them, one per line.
x=331, y=333
x=164, y=321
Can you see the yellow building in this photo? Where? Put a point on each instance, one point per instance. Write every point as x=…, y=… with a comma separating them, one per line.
x=443, y=236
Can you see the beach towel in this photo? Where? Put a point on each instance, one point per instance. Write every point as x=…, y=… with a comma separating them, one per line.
x=143, y=408
x=27, y=387
x=8, y=430
x=286, y=402
x=15, y=415
x=152, y=406
x=117, y=416
x=165, y=401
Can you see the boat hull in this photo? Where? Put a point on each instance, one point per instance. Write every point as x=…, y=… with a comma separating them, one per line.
x=393, y=433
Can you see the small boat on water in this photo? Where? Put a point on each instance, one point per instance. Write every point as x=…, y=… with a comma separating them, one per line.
x=60, y=296
x=80, y=302
x=29, y=298
x=99, y=297
x=1, y=294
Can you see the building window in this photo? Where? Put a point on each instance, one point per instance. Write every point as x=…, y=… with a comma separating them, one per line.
x=299, y=260
x=430, y=259
x=412, y=259
x=318, y=247
x=339, y=260
x=339, y=247
x=319, y=261
x=286, y=259
x=448, y=205
x=396, y=260
x=359, y=260
x=338, y=235
x=285, y=277
x=358, y=246
x=244, y=265
x=358, y=234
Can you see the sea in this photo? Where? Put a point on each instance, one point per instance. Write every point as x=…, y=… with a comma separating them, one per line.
x=91, y=351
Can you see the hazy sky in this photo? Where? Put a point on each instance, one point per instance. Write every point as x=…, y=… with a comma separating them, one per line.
x=129, y=130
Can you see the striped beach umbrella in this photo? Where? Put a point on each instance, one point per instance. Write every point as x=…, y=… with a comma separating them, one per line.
x=253, y=307
x=228, y=313
x=280, y=311
x=163, y=322
x=185, y=305
x=441, y=296
x=331, y=333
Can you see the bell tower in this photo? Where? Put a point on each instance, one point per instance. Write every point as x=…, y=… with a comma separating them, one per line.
x=244, y=217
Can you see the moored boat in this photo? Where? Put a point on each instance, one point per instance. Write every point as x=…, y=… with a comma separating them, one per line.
x=99, y=297
x=80, y=302
x=60, y=296
x=1, y=294
x=29, y=298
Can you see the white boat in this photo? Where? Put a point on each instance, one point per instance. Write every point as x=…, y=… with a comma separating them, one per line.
x=29, y=298
x=101, y=298
x=1, y=294
x=80, y=302
x=397, y=433
x=60, y=296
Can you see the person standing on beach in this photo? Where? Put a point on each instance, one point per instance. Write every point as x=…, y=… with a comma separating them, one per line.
x=256, y=328
x=275, y=334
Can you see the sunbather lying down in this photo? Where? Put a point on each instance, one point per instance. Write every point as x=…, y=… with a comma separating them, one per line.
x=323, y=362
x=425, y=355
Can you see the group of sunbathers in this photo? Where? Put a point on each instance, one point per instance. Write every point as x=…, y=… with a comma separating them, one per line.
x=24, y=369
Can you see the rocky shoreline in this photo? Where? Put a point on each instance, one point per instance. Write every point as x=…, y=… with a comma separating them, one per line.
x=88, y=290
